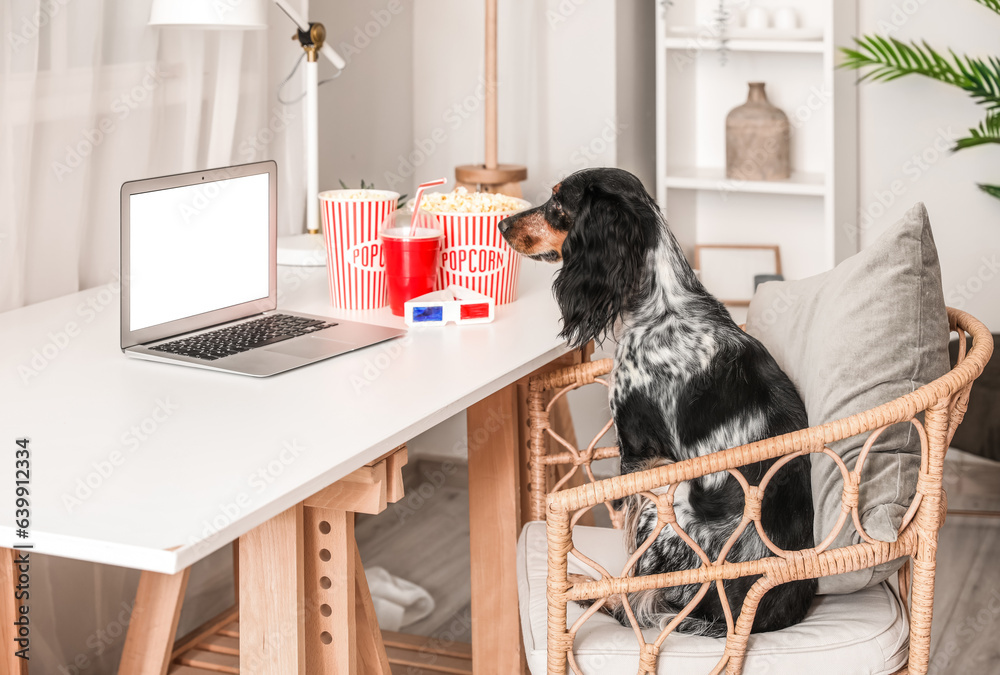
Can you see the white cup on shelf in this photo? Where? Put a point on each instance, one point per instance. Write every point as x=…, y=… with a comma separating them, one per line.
x=757, y=18
x=786, y=18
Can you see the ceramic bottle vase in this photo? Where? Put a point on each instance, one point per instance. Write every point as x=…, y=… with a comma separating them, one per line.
x=757, y=139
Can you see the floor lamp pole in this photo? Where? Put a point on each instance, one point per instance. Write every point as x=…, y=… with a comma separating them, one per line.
x=312, y=147
x=491, y=175
x=309, y=249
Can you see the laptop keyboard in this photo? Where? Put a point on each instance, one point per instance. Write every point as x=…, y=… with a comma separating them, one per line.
x=243, y=337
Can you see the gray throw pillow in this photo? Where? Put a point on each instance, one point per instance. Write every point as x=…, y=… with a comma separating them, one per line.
x=868, y=331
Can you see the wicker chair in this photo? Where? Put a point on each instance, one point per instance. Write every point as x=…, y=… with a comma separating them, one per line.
x=943, y=403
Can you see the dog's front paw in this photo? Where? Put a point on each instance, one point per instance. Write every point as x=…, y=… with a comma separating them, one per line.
x=612, y=604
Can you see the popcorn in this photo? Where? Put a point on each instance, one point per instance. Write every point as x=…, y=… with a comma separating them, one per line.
x=361, y=194
x=461, y=200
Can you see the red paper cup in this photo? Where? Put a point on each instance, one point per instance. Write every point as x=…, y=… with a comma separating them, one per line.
x=356, y=261
x=476, y=256
x=411, y=264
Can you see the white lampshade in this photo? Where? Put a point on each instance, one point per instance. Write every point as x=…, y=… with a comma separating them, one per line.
x=210, y=14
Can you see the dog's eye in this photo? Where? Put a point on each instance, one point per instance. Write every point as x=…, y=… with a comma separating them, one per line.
x=557, y=216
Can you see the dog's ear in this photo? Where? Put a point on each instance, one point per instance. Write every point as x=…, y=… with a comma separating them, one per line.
x=604, y=262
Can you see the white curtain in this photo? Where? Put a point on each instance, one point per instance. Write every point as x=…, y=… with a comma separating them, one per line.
x=90, y=97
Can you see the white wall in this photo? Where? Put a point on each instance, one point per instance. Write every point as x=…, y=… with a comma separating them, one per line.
x=635, y=87
x=570, y=95
x=365, y=113
x=904, y=128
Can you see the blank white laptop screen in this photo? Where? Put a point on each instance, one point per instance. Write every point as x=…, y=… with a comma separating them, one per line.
x=197, y=248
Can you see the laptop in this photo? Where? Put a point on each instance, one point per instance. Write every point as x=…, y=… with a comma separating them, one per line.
x=200, y=278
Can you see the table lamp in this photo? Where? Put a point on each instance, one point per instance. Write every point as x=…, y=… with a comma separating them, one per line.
x=303, y=249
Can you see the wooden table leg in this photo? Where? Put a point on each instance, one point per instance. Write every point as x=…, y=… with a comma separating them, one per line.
x=236, y=572
x=330, y=567
x=372, y=657
x=335, y=617
x=303, y=603
x=272, y=612
x=494, y=514
x=153, y=626
x=10, y=663
x=497, y=482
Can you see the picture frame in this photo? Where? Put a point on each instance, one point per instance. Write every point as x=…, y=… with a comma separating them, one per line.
x=728, y=270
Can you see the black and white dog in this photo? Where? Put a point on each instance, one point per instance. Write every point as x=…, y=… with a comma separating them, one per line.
x=687, y=382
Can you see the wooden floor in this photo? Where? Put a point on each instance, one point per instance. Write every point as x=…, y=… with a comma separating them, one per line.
x=424, y=539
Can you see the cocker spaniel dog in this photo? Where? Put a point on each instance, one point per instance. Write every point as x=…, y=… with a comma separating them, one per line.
x=687, y=382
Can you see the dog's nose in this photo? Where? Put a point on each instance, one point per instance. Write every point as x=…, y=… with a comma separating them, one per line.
x=504, y=225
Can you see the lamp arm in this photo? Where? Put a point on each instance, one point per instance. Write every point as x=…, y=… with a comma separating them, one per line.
x=333, y=56
x=304, y=26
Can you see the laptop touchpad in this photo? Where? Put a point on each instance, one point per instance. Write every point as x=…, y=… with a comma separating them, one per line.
x=309, y=347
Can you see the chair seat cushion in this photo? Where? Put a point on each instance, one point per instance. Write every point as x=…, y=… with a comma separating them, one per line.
x=863, y=632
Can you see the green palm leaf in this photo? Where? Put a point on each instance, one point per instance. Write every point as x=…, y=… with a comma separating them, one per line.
x=890, y=59
x=988, y=131
x=887, y=59
x=991, y=4
x=992, y=190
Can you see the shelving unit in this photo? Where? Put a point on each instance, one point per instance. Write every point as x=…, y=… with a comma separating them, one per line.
x=694, y=178
x=788, y=46
x=807, y=215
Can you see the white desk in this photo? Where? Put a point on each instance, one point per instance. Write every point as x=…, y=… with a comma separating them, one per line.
x=154, y=466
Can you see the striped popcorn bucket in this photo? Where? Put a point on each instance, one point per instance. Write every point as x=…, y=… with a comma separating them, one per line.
x=356, y=264
x=476, y=256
